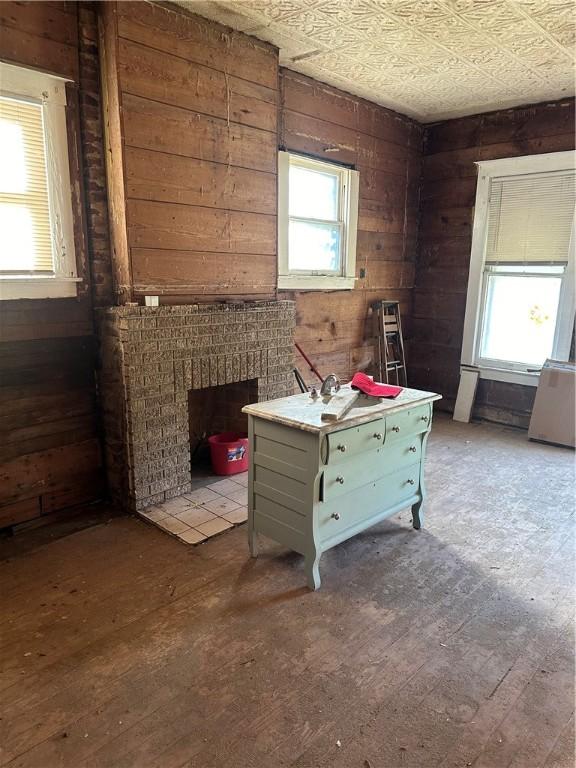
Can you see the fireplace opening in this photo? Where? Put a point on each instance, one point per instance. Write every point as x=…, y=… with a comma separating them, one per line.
x=212, y=410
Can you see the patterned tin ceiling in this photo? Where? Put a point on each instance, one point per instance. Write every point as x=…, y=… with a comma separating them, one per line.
x=430, y=59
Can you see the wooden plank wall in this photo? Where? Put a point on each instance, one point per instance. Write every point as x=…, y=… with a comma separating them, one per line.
x=447, y=211
x=199, y=110
x=385, y=147
x=202, y=119
x=49, y=449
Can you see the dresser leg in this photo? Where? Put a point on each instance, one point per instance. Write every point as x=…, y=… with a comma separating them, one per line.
x=313, y=569
x=417, y=515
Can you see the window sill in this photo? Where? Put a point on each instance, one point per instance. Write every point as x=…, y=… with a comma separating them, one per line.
x=510, y=377
x=315, y=283
x=38, y=287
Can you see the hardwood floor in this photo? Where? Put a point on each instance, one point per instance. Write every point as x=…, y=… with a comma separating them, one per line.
x=448, y=647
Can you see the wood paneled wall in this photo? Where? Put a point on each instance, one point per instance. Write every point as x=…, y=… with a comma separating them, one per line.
x=201, y=117
x=447, y=211
x=385, y=148
x=198, y=120
x=49, y=449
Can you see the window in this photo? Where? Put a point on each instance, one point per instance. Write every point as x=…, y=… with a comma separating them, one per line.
x=317, y=223
x=36, y=226
x=520, y=303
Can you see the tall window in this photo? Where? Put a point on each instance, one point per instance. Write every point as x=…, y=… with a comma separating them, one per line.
x=25, y=239
x=36, y=228
x=520, y=307
x=317, y=223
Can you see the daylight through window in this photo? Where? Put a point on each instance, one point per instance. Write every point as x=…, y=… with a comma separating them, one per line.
x=25, y=239
x=318, y=203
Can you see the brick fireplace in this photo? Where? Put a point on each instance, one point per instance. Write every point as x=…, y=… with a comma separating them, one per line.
x=163, y=369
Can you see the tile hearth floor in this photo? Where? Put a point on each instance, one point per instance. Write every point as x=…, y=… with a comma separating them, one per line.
x=203, y=512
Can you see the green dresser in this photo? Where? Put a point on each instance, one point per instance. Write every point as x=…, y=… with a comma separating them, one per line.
x=314, y=484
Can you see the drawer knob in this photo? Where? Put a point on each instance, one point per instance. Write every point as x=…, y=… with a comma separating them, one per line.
x=340, y=480
x=378, y=435
x=412, y=448
x=342, y=448
x=395, y=429
x=410, y=481
x=336, y=515
x=423, y=418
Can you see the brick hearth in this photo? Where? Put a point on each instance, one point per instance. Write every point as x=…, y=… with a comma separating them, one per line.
x=151, y=357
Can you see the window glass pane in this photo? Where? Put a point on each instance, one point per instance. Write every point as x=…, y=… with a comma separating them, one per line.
x=313, y=247
x=25, y=233
x=313, y=194
x=520, y=318
x=524, y=269
x=13, y=178
x=16, y=238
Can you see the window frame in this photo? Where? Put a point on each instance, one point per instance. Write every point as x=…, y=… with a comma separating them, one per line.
x=348, y=193
x=498, y=370
x=49, y=91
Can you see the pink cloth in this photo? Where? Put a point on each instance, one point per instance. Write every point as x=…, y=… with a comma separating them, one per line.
x=367, y=385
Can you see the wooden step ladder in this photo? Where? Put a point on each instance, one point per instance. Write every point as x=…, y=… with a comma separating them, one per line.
x=388, y=342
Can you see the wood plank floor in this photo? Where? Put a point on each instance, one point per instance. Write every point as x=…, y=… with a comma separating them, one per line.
x=448, y=647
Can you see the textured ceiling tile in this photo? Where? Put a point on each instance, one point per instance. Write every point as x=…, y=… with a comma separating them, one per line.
x=501, y=32
x=493, y=13
x=539, y=51
x=452, y=25
x=223, y=15
x=534, y=7
x=563, y=33
x=310, y=21
x=334, y=38
x=265, y=10
x=416, y=12
x=430, y=59
x=346, y=13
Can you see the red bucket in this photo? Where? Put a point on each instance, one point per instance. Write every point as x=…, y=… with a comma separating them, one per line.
x=229, y=452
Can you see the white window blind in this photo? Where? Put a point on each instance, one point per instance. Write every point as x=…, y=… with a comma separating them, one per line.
x=25, y=232
x=530, y=218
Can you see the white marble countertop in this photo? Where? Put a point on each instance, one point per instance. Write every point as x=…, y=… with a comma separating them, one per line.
x=303, y=412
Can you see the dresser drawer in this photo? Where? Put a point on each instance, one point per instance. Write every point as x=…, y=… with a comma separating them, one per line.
x=355, y=471
x=350, y=509
x=398, y=453
x=354, y=440
x=410, y=422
